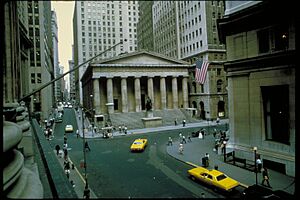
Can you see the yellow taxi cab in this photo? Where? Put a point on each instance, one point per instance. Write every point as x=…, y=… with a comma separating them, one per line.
x=139, y=145
x=213, y=177
x=69, y=128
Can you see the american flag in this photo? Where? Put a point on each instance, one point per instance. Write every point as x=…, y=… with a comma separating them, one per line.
x=200, y=71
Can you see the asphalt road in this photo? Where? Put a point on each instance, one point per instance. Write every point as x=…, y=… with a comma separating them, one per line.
x=113, y=171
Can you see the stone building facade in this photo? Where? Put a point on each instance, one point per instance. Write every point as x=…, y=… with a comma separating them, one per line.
x=123, y=84
x=261, y=75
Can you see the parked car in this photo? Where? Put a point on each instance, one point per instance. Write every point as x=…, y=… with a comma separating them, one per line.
x=260, y=192
x=139, y=145
x=213, y=177
x=69, y=128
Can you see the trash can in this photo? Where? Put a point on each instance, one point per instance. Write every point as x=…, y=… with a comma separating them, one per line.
x=205, y=162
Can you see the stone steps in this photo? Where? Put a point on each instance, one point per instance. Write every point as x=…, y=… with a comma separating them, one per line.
x=133, y=120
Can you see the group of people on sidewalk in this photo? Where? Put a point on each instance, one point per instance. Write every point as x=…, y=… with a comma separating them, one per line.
x=205, y=160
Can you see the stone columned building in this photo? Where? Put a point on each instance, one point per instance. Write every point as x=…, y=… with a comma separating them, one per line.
x=121, y=85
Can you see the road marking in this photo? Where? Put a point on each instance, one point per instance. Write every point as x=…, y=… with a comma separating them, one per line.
x=78, y=172
x=244, y=185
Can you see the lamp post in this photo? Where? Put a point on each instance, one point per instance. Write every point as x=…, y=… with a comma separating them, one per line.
x=84, y=155
x=224, y=146
x=255, y=168
x=208, y=122
x=93, y=111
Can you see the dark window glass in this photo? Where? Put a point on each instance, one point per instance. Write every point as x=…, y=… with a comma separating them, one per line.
x=263, y=41
x=276, y=112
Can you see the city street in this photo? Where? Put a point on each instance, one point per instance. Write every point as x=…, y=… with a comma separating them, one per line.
x=114, y=171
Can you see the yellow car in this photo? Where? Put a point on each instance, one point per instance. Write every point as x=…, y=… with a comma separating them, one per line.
x=213, y=177
x=69, y=128
x=139, y=145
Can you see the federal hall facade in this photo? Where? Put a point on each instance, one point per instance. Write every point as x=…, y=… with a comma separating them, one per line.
x=123, y=84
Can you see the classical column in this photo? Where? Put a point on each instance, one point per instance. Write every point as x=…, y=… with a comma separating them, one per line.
x=124, y=94
x=137, y=92
x=150, y=90
x=175, y=92
x=163, y=95
x=185, y=92
x=96, y=98
x=110, y=99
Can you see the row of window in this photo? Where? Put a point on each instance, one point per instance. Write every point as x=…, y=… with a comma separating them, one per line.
x=131, y=4
x=36, y=78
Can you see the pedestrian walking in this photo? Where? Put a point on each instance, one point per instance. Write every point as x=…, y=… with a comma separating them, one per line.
x=57, y=148
x=86, y=146
x=207, y=159
x=183, y=139
x=207, y=155
x=259, y=164
x=189, y=138
x=170, y=141
x=67, y=172
x=180, y=149
x=265, y=174
x=72, y=183
x=202, y=195
x=180, y=137
x=65, y=154
x=125, y=129
x=120, y=129
x=175, y=121
x=183, y=123
x=67, y=165
x=65, y=138
x=77, y=133
x=86, y=192
x=65, y=146
x=218, y=120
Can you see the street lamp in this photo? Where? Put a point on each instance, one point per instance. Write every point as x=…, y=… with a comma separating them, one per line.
x=255, y=169
x=208, y=122
x=224, y=146
x=84, y=154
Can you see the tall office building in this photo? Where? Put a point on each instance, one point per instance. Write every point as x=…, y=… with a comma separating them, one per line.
x=99, y=25
x=187, y=30
x=145, y=35
x=20, y=173
x=72, y=77
x=41, y=66
x=165, y=28
x=55, y=56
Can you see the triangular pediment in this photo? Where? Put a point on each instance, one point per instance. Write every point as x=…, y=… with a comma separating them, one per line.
x=142, y=57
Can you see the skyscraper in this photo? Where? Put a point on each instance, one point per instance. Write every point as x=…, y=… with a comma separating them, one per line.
x=55, y=56
x=99, y=25
x=41, y=66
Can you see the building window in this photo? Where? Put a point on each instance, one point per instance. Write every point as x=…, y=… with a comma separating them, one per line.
x=273, y=39
x=32, y=78
x=276, y=113
x=218, y=71
x=39, y=77
x=263, y=41
x=219, y=85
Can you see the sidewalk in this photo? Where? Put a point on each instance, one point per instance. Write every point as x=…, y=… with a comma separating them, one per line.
x=195, y=150
x=116, y=133
x=76, y=177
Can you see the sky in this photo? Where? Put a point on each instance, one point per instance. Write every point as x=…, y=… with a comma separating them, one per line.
x=64, y=13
